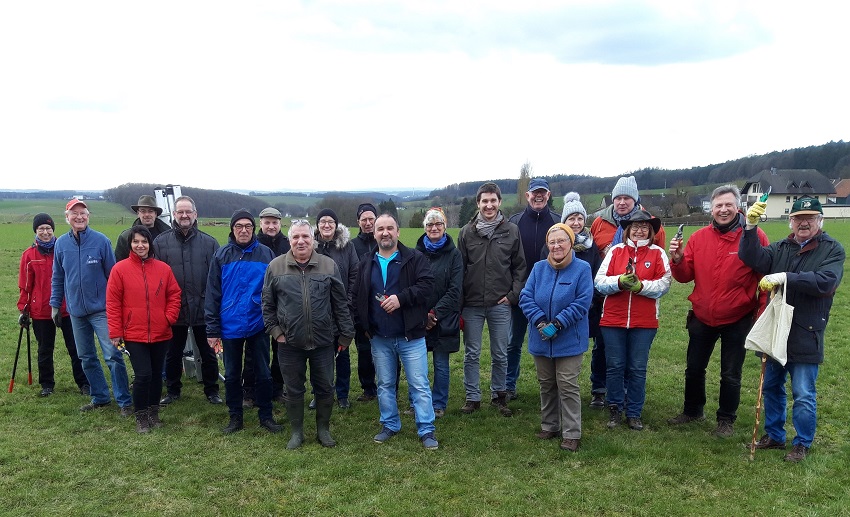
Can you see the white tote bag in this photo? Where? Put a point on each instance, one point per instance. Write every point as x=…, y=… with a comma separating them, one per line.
x=770, y=331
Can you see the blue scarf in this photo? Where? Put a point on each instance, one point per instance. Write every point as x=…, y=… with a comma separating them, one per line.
x=618, y=237
x=45, y=247
x=432, y=247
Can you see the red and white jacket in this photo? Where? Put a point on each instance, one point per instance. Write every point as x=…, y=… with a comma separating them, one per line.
x=622, y=308
x=142, y=300
x=34, y=279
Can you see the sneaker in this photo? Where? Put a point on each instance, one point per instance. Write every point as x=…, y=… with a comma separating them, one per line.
x=247, y=403
x=93, y=405
x=126, y=411
x=271, y=426
x=766, y=442
x=598, y=401
x=569, y=444
x=635, y=424
x=615, y=417
x=470, y=406
x=169, y=398
x=384, y=435
x=724, y=428
x=366, y=398
x=344, y=404
x=46, y=392
x=798, y=453
x=410, y=411
x=85, y=389
x=214, y=399
x=439, y=412
x=682, y=418
x=548, y=435
x=429, y=442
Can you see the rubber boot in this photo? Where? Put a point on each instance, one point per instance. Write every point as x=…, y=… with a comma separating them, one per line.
x=143, y=424
x=153, y=416
x=295, y=412
x=324, y=408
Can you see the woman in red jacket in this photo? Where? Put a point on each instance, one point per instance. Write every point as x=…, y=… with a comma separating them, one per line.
x=633, y=276
x=142, y=302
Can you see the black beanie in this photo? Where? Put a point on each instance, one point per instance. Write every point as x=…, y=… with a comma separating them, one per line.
x=40, y=219
x=242, y=213
x=366, y=207
x=329, y=213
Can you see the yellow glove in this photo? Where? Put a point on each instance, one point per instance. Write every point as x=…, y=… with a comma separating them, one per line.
x=770, y=282
x=755, y=212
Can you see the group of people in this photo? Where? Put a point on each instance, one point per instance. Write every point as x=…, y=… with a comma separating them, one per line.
x=538, y=277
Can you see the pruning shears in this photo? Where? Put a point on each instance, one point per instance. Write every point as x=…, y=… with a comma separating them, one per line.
x=630, y=268
x=763, y=199
x=680, y=233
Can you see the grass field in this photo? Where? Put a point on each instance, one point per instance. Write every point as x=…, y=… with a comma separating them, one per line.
x=56, y=461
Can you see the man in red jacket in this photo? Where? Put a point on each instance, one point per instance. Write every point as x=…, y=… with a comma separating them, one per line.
x=725, y=303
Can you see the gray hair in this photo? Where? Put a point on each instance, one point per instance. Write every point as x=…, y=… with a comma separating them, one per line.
x=300, y=222
x=186, y=198
x=434, y=215
x=728, y=189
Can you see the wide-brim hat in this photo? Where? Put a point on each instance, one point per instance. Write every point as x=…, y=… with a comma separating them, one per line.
x=147, y=201
x=643, y=215
x=806, y=206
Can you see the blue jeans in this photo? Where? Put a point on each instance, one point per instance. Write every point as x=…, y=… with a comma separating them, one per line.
x=498, y=319
x=626, y=355
x=258, y=346
x=519, y=326
x=440, y=389
x=414, y=358
x=804, y=411
x=85, y=329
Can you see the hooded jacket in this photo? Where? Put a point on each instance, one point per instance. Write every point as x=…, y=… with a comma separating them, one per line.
x=233, y=306
x=189, y=256
x=342, y=251
x=142, y=300
x=81, y=266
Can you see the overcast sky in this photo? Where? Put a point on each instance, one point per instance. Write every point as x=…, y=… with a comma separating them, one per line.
x=353, y=95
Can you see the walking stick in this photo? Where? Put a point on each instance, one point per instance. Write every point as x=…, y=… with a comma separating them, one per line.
x=758, y=406
x=15, y=367
x=29, y=358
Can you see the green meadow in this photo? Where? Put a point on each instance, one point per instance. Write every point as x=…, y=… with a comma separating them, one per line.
x=55, y=460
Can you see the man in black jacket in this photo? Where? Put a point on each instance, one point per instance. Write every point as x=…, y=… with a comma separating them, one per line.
x=365, y=243
x=392, y=291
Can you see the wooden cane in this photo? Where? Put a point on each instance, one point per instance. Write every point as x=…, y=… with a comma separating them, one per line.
x=758, y=406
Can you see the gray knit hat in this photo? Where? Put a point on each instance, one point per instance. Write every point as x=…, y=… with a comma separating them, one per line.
x=626, y=186
x=572, y=205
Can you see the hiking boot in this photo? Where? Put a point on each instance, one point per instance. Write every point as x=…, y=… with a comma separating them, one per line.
x=46, y=392
x=569, y=444
x=125, y=411
x=169, y=398
x=85, y=390
x=93, y=405
x=271, y=426
x=234, y=425
x=766, y=442
x=366, y=398
x=429, y=442
x=384, y=435
x=143, y=423
x=682, y=418
x=635, y=423
x=471, y=406
x=724, y=428
x=615, y=417
x=501, y=403
x=548, y=435
x=798, y=453
x=598, y=401
x=153, y=416
x=344, y=404
x=512, y=395
x=439, y=412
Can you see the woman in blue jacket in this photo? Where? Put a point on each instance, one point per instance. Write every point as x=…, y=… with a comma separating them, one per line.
x=556, y=300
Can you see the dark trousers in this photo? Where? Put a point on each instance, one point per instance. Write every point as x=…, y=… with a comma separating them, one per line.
x=45, y=336
x=248, y=380
x=343, y=373
x=174, y=360
x=365, y=366
x=293, y=366
x=598, y=367
x=256, y=345
x=147, y=360
x=732, y=353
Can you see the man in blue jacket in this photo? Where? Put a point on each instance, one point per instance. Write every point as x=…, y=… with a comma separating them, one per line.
x=82, y=261
x=234, y=315
x=809, y=264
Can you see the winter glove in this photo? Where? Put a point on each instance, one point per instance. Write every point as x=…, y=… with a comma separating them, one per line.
x=343, y=342
x=772, y=281
x=755, y=212
x=24, y=319
x=637, y=286
x=56, y=316
x=627, y=281
x=547, y=330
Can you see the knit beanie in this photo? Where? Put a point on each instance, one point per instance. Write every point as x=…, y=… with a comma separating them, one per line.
x=327, y=212
x=366, y=207
x=572, y=205
x=562, y=226
x=626, y=186
x=40, y=219
x=242, y=213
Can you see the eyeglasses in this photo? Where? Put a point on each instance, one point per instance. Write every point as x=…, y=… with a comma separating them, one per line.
x=434, y=225
x=243, y=227
x=643, y=227
x=558, y=242
x=44, y=229
x=801, y=218
x=328, y=222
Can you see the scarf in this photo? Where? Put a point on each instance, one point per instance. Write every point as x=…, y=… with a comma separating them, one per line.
x=45, y=247
x=584, y=240
x=563, y=263
x=432, y=247
x=486, y=228
x=618, y=237
x=726, y=228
